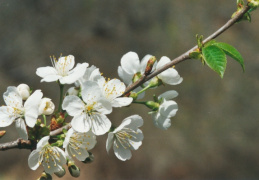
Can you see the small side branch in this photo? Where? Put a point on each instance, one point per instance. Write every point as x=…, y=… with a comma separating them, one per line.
x=17, y=144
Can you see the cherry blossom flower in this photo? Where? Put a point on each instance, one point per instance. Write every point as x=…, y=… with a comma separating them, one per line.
x=16, y=111
x=169, y=76
x=62, y=70
x=112, y=90
x=51, y=158
x=46, y=106
x=91, y=74
x=126, y=137
x=78, y=144
x=89, y=113
x=167, y=109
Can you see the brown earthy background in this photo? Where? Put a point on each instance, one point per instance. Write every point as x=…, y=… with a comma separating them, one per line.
x=215, y=132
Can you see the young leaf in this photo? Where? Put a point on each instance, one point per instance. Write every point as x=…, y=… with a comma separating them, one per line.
x=232, y=52
x=215, y=58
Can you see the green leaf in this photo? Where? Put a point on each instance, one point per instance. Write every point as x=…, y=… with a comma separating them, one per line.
x=232, y=52
x=209, y=43
x=215, y=58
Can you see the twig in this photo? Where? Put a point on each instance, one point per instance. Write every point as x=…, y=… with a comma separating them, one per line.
x=23, y=144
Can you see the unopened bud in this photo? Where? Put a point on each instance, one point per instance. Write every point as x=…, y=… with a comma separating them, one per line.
x=60, y=173
x=2, y=133
x=24, y=91
x=45, y=176
x=73, y=91
x=152, y=105
x=73, y=169
x=134, y=95
x=150, y=65
x=89, y=159
x=46, y=106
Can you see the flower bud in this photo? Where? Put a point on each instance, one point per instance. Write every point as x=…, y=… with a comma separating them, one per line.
x=155, y=82
x=152, y=105
x=73, y=91
x=24, y=91
x=2, y=133
x=136, y=77
x=253, y=3
x=45, y=176
x=73, y=169
x=46, y=106
x=60, y=173
x=150, y=64
x=89, y=159
x=134, y=95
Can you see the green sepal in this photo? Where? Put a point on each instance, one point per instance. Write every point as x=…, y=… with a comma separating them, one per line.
x=215, y=58
x=196, y=54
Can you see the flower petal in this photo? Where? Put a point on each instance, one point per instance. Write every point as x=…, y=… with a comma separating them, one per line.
x=168, y=108
x=13, y=98
x=43, y=141
x=130, y=63
x=6, y=116
x=144, y=62
x=75, y=74
x=73, y=105
x=67, y=138
x=100, y=124
x=65, y=63
x=49, y=74
x=81, y=123
x=109, y=141
x=21, y=128
x=120, y=152
x=136, y=122
x=123, y=101
x=33, y=160
x=168, y=95
x=91, y=92
x=127, y=78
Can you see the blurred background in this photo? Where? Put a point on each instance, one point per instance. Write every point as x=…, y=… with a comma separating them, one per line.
x=215, y=132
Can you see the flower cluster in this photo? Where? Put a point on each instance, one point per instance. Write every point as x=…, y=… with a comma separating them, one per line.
x=88, y=101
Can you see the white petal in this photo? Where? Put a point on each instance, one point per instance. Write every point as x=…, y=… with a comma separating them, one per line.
x=91, y=92
x=73, y=105
x=44, y=141
x=120, y=152
x=81, y=153
x=143, y=63
x=67, y=138
x=130, y=63
x=168, y=95
x=103, y=106
x=49, y=74
x=109, y=141
x=21, y=128
x=162, y=62
x=81, y=123
x=100, y=124
x=123, y=101
x=160, y=121
x=127, y=78
x=33, y=160
x=65, y=63
x=6, y=116
x=168, y=108
x=114, y=88
x=31, y=107
x=170, y=76
x=136, y=122
x=135, y=145
x=12, y=97
x=75, y=74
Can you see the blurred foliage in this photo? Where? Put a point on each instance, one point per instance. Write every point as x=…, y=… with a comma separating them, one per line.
x=215, y=133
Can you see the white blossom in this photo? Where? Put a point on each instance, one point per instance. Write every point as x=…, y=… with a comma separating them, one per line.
x=46, y=106
x=51, y=158
x=126, y=137
x=89, y=113
x=91, y=74
x=167, y=109
x=24, y=91
x=112, y=90
x=169, y=76
x=16, y=111
x=78, y=144
x=62, y=70
x=73, y=91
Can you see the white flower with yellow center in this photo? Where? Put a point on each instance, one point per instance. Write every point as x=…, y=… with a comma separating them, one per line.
x=16, y=111
x=51, y=158
x=62, y=70
x=90, y=111
x=112, y=90
x=78, y=144
x=126, y=137
x=167, y=109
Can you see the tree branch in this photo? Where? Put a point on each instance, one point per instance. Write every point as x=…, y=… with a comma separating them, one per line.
x=186, y=55
x=23, y=144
